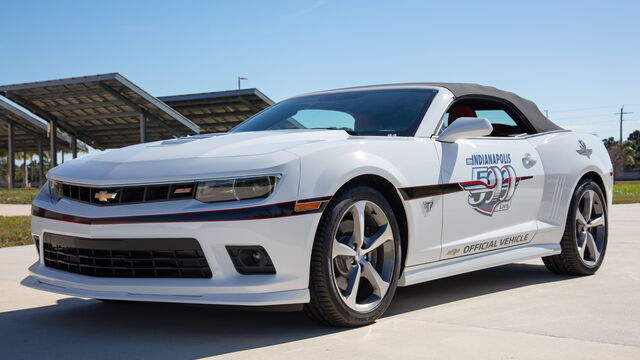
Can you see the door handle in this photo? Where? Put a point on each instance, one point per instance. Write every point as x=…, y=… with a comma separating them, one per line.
x=529, y=160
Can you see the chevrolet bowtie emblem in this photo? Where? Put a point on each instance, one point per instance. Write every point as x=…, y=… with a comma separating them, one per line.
x=105, y=196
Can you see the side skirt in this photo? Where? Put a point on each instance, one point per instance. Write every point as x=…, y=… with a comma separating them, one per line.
x=436, y=270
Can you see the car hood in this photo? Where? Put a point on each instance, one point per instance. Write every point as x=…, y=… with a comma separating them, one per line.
x=189, y=158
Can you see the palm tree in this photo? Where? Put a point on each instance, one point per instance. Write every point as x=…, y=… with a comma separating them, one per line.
x=622, y=155
x=629, y=151
x=634, y=139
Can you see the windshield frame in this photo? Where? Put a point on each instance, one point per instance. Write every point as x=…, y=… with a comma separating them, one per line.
x=409, y=132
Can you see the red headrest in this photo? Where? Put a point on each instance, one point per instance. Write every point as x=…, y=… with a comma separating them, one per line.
x=458, y=111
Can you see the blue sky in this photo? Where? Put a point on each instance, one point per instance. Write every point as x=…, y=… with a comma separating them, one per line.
x=564, y=55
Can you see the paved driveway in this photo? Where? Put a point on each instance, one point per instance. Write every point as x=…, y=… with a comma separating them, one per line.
x=15, y=210
x=516, y=311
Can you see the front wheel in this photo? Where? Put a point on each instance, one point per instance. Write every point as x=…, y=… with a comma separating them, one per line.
x=584, y=241
x=355, y=261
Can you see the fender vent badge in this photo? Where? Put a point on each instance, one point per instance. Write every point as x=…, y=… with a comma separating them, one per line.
x=428, y=205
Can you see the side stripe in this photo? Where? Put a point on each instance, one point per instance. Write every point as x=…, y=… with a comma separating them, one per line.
x=417, y=192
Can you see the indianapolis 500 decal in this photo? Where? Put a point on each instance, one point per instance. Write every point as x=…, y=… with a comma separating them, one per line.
x=494, y=181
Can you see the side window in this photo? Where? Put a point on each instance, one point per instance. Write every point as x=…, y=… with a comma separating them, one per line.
x=497, y=117
x=505, y=121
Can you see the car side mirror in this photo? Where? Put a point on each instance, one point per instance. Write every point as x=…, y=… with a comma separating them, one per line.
x=465, y=127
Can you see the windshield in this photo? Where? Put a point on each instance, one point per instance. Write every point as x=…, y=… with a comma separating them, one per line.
x=369, y=112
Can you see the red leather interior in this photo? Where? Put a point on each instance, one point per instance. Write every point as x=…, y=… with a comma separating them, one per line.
x=458, y=111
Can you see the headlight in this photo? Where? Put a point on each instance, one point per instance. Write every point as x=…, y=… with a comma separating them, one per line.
x=55, y=189
x=237, y=189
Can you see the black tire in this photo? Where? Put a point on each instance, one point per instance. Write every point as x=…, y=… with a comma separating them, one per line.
x=327, y=305
x=569, y=261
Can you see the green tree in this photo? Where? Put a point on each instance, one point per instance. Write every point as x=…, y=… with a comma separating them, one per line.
x=634, y=137
x=608, y=142
x=622, y=155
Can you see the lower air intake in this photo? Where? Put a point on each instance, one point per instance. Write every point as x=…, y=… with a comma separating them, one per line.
x=126, y=258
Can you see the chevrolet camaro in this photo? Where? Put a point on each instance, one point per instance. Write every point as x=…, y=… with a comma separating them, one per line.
x=327, y=202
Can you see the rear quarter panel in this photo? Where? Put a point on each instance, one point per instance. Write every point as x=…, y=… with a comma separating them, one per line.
x=564, y=166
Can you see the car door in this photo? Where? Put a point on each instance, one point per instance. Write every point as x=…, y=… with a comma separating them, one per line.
x=500, y=183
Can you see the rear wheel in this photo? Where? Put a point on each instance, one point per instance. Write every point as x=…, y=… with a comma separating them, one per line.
x=355, y=260
x=584, y=241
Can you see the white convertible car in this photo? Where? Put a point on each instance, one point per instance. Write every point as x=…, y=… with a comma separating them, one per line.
x=328, y=202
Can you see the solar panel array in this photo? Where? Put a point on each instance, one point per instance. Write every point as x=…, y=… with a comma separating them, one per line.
x=103, y=111
x=219, y=111
x=28, y=130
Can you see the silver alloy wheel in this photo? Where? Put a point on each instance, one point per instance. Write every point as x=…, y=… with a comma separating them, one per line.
x=363, y=256
x=590, y=228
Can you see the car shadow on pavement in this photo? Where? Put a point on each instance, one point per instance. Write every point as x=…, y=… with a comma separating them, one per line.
x=469, y=285
x=77, y=328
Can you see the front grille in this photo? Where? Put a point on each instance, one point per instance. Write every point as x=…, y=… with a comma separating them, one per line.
x=126, y=258
x=124, y=194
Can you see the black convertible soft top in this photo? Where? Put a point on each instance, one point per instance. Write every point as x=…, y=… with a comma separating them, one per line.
x=539, y=122
x=530, y=111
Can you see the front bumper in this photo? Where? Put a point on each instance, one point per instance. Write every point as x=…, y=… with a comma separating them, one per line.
x=288, y=240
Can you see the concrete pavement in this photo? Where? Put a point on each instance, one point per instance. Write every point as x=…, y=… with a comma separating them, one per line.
x=515, y=311
x=15, y=210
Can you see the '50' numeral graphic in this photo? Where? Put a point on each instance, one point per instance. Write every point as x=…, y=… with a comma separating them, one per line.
x=492, y=188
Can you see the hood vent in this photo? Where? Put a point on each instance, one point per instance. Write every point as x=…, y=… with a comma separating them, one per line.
x=176, y=141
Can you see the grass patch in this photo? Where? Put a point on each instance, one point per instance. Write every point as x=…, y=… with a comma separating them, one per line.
x=15, y=230
x=17, y=196
x=626, y=192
